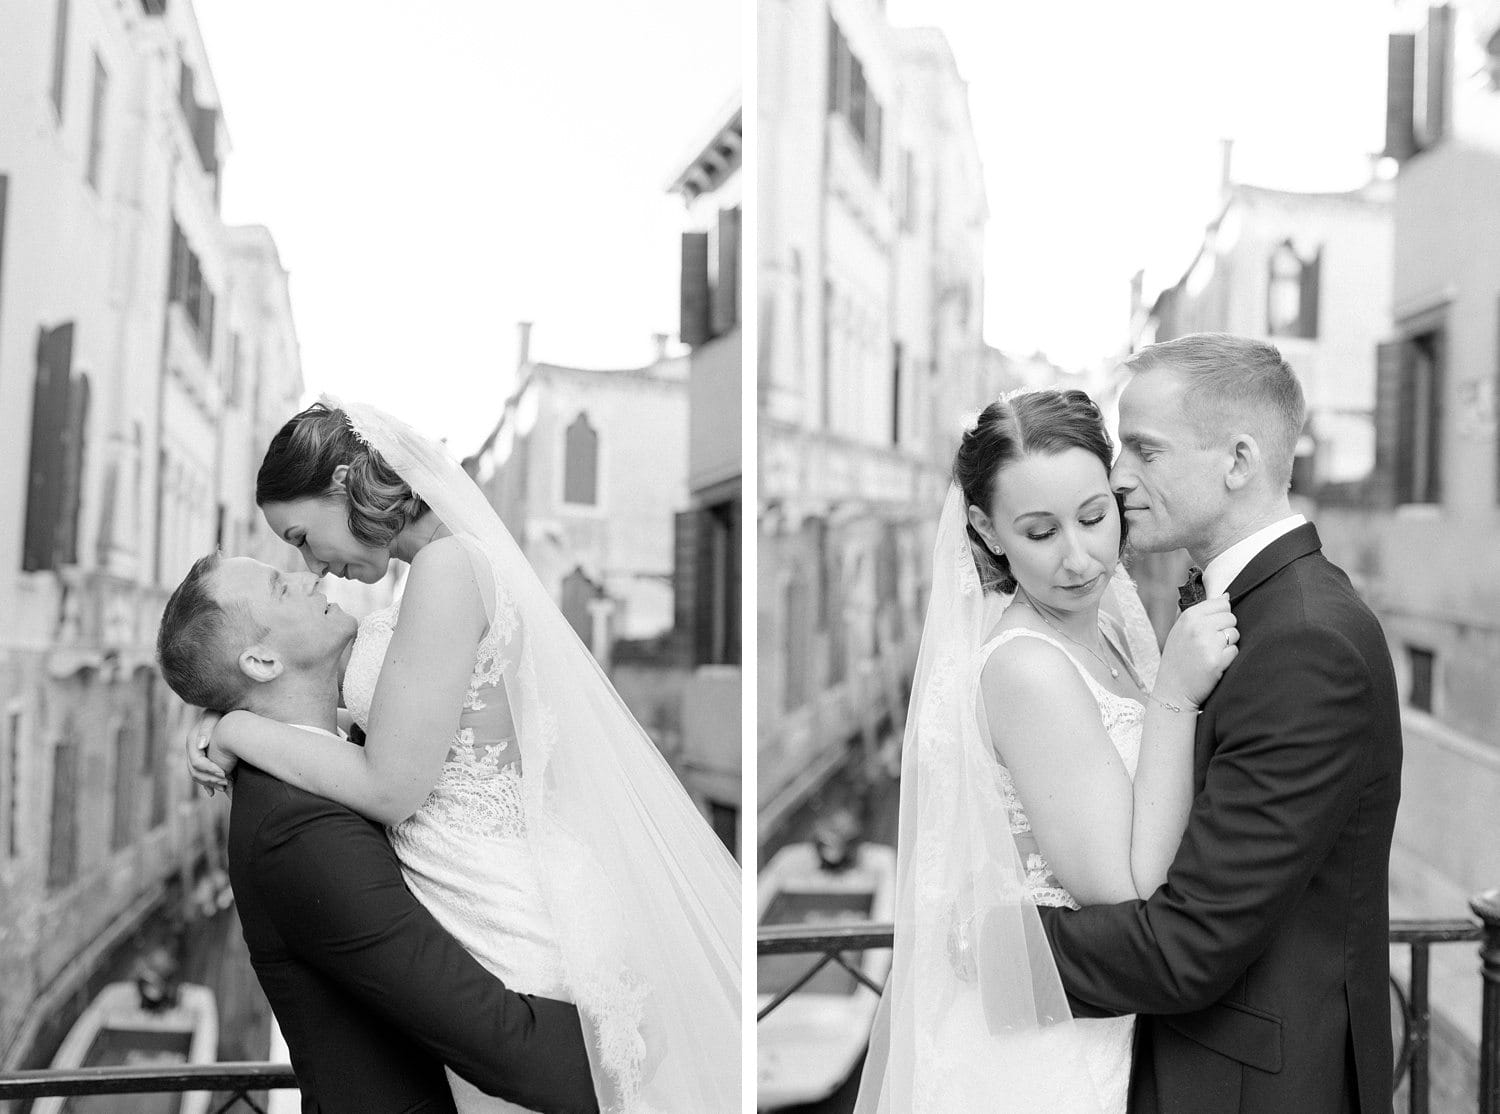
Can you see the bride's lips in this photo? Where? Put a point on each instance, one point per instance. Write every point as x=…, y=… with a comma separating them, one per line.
x=1081, y=589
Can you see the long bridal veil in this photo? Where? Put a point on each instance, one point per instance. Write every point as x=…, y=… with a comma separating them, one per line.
x=973, y=1016
x=644, y=898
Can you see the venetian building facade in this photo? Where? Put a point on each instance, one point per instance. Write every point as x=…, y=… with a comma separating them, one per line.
x=1311, y=274
x=871, y=227
x=1422, y=547
x=587, y=468
x=709, y=532
x=116, y=392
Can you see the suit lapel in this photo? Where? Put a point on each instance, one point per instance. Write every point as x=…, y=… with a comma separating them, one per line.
x=1291, y=546
x=1275, y=557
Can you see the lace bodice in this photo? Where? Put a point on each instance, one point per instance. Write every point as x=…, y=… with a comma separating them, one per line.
x=479, y=786
x=1123, y=720
x=464, y=853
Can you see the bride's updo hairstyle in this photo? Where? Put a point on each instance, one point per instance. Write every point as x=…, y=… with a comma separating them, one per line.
x=1041, y=423
x=300, y=463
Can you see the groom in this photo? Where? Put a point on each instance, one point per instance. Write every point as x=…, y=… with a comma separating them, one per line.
x=372, y=994
x=1260, y=966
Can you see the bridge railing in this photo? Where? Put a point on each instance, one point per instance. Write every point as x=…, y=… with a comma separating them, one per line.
x=841, y=945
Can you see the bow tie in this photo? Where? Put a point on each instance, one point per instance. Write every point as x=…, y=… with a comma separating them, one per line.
x=1191, y=590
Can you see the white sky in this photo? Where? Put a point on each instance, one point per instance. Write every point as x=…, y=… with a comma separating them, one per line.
x=434, y=173
x=1099, y=124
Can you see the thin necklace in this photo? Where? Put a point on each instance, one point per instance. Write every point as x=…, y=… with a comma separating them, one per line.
x=1113, y=672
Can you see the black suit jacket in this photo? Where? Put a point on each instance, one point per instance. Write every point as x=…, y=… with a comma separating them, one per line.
x=1264, y=956
x=372, y=994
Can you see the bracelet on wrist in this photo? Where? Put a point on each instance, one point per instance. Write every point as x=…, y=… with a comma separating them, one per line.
x=1174, y=708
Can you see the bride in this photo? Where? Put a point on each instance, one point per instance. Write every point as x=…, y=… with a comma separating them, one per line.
x=1048, y=761
x=529, y=810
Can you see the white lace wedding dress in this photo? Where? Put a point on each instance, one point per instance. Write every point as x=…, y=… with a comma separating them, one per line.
x=464, y=852
x=1106, y=1041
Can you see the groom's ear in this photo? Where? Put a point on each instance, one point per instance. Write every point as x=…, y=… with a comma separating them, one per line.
x=1246, y=463
x=337, y=479
x=261, y=663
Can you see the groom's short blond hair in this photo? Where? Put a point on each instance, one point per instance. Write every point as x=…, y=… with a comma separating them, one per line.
x=1235, y=384
x=198, y=643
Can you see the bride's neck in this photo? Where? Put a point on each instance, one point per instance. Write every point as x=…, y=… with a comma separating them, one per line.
x=416, y=534
x=1082, y=625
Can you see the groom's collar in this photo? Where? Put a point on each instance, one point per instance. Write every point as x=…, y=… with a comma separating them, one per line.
x=1275, y=557
x=1220, y=573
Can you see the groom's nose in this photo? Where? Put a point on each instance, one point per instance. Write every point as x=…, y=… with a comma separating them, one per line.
x=1121, y=477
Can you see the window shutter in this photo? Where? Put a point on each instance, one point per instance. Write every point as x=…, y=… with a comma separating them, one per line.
x=735, y=572
x=73, y=436
x=695, y=327
x=49, y=415
x=1307, y=317
x=1439, y=67
x=726, y=307
x=1434, y=493
x=706, y=570
x=1406, y=409
x=62, y=857
x=1400, y=89
x=685, y=581
x=1388, y=363
x=834, y=41
x=60, y=57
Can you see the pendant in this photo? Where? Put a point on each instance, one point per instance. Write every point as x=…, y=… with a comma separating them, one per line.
x=1115, y=673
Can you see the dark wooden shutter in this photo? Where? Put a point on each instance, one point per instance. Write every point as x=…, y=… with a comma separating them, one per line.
x=60, y=57
x=49, y=416
x=726, y=308
x=1307, y=315
x=896, y=393
x=1406, y=411
x=1400, y=89
x=1435, y=408
x=1388, y=364
x=696, y=297
x=734, y=523
x=62, y=852
x=835, y=56
x=685, y=581
x=706, y=599
x=73, y=441
x=1439, y=73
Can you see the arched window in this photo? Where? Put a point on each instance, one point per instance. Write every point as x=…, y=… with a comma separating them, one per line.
x=581, y=463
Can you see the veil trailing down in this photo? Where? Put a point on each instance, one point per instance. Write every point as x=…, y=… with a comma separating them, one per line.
x=973, y=1016
x=644, y=898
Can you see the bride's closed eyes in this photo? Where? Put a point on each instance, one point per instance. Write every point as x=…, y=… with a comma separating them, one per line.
x=1083, y=521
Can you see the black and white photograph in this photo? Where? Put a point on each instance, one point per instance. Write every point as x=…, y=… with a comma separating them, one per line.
x=1126, y=547
x=370, y=484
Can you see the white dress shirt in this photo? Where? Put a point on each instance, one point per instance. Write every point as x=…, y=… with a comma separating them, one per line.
x=1226, y=566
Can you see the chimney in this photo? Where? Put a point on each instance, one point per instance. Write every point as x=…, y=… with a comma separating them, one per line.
x=523, y=347
x=1226, y=164
x=1137, y=282
x=659, y=340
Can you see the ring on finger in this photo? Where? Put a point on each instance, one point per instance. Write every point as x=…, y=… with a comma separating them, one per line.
x=1228, y=636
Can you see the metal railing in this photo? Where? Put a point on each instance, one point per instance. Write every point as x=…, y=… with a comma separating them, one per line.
x=238, y=1079
x=1413, y=1060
